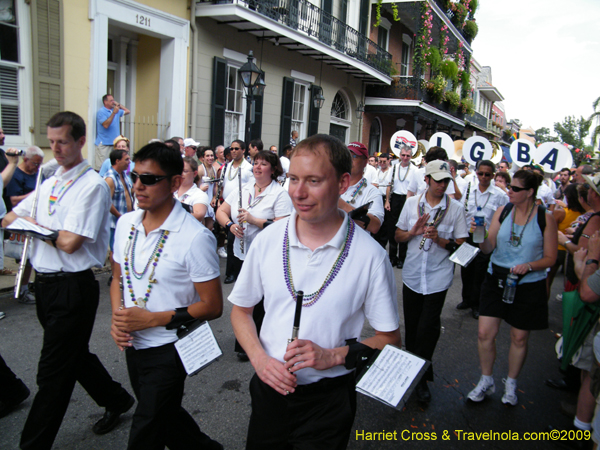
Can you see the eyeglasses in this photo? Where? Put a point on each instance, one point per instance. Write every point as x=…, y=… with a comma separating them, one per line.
x=516, y=188
x=484, y=174
x=236, y=148
x=147, y=179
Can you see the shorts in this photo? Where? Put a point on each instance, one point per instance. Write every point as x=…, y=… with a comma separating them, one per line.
x=529, y=311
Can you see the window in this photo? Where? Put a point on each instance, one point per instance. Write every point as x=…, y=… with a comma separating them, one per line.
x=375, y=135
x=299, y=109
x=234, y=106
x=340, y=117
x=405, y=63
x=383, y=33
x=9, y=67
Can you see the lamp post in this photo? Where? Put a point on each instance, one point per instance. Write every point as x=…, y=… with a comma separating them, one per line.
x=253, y=80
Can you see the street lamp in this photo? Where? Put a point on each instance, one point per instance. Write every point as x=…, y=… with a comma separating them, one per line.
x=253, y=80
x=318, y=99
x=360, y=110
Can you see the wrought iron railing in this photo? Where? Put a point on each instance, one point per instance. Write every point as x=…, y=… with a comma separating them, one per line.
x=303, y=16
x=478, y=119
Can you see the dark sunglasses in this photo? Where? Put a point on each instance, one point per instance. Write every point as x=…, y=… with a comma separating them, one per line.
x=485, y=174
x=236, y=148
x=516, y=188
x=147, y=179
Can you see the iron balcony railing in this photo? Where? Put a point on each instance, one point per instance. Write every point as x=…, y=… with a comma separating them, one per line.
x=303, y=16
x=478, y=119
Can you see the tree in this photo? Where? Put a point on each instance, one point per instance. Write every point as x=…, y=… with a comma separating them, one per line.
x=595, y=116
x=543, y=135
x=573, y=131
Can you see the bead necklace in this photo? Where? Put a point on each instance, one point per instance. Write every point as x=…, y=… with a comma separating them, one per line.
x=515, y=240
x=256, y=201
x=486, y=202
x=129, y=265
x=358, y=190
x=55, y=199
x=405, y=174
x=229, y=176
x=311, y=299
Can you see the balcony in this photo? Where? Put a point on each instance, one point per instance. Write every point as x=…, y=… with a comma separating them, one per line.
x=478, y=120
x=302, y=26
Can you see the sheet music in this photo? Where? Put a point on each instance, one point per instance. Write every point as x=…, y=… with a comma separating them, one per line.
x=464, y=254
x=391, y=375
x=20, y=225
x=198, y=349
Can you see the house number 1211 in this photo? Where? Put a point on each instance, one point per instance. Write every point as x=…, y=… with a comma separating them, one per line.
x=142, y=20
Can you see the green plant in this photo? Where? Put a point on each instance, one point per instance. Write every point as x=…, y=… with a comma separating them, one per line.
x=388, y=66
x=378, y=6
x=466, y=106
x=439, y=86
x=449, y=70
x=465, y=77
x=470, y=30
x=453, y=99
x=434, y=59
x=473, y=5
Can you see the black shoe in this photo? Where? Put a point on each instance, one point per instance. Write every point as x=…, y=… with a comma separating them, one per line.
x=561, y=384
x=400, y=264
x=229, y=279
x=475, y=313
x=9, y=405
x=423, y=394
x=462, y=305
x=110, y=419
x=243, y=357
x=393, y=262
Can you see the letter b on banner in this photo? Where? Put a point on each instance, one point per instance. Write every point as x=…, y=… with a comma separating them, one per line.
x=521, y=152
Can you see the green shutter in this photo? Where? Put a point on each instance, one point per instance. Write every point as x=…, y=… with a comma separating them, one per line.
x=219, y=97
x=256, y=127
x=313, y=115
x=47, y=37
x=287, y=103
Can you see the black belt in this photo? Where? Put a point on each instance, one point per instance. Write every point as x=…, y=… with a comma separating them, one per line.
x=325, y=384
x=55, y=276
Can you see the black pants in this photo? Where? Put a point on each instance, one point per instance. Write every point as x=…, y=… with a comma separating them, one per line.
x=422, y=323
x=397, y=249
x=10, y=386
x=472, y=277
x=234, y=265
x=66, y=308
x=318, y=416
x=157, y=376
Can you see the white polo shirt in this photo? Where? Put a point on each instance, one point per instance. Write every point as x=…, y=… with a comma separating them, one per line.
x=193, y=196
x=489, y=200
x=230, y=179
x=428, y=272
x=189, y=256
x=545, y=194
x=273, y=202
x=367, y=194
x=370, y=173
x=84, y=209
x=403, y=177
x=364, y=287
x=383, y=179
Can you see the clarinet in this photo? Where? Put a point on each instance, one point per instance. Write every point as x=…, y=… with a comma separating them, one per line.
x=437, y=214
x=467, y=197
x=221, y=182
x=240, y=204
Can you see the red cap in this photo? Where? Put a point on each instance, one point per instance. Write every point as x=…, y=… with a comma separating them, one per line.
x=358, y=148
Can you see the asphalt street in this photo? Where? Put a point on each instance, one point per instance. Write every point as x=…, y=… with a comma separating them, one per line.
x=218, y=397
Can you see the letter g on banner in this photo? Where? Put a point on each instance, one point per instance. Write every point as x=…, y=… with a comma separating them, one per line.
x=477, y=148
x=552, y=157
x=521, y=152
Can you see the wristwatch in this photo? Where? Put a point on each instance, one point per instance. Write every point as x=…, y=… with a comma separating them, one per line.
x=591, y=261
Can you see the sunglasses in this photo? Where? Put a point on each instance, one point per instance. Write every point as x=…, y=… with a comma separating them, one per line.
x=147, y=179
x=516, y=188
x=484, y=174
x=236, y=148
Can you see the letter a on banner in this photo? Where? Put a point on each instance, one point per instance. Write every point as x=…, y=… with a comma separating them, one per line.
x=552, y=157
x=521, y=152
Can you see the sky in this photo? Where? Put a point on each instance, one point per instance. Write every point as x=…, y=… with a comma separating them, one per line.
x=544, y=55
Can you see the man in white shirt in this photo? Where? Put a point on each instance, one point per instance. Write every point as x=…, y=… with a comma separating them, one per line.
x=75, y=202
x=237, y=168
x=395, y=197
x=178, y=286
x=303, y=392
x=434, y=225
x=480, y=194
x=384, y=177
x=361, y=192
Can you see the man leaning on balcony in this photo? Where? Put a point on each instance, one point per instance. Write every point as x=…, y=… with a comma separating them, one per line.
x=107, y=128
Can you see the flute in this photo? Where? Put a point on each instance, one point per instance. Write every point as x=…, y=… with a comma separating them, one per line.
x=437, y=214
x=240, y=204
x=221, y=182
x=27, y=243
x=296, y=327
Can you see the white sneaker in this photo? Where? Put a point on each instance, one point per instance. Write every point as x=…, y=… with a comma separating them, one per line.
x=559, y=297
x=510, y=393
x=482, y=389
x=2, y=315
x=27, y=298
x=222, y=252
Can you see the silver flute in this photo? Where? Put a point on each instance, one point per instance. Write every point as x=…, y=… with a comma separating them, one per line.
x=437, y=214
x=23, y=264
x=240, y=206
